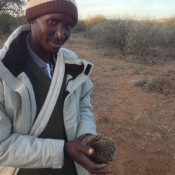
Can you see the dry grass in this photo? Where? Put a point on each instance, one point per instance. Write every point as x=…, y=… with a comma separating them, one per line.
x=141, y=122
x=160, y=85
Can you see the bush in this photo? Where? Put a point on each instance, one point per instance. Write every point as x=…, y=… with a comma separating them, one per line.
x=80, y=27
x=144, y=38
x=144, y=35
x=111, y=34
x=171, y=37
x=5, y=23
x=8, y=23
x=91, y=21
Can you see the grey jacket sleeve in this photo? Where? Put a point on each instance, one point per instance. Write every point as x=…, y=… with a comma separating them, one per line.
x=30, y=152
x=24, y=151
x=86, y=121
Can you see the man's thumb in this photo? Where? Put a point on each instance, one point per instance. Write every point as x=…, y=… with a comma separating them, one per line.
x=90, y=151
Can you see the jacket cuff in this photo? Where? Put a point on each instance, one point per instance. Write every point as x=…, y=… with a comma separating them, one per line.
x=83, y=136
x=83, y=129
x=53, y=153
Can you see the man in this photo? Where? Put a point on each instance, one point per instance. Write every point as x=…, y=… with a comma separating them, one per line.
x=45, y=110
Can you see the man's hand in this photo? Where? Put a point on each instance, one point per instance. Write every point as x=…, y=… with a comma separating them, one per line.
x=79, y=152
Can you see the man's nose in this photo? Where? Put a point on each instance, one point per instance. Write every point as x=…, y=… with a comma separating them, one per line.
x=60, y=33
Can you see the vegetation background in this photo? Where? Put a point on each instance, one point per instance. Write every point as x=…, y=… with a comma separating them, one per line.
x=134, y=78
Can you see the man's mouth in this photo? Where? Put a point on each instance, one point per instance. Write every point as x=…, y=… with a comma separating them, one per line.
x=57, y=44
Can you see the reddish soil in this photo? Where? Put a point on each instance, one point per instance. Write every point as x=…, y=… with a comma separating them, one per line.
x=142, y=123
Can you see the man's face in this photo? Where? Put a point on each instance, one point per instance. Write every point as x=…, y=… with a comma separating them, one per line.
x=50, y=32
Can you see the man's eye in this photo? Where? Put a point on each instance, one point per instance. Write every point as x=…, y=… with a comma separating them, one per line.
x=52, y=22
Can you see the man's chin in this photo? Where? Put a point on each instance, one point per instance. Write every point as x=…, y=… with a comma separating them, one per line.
x=54, y=50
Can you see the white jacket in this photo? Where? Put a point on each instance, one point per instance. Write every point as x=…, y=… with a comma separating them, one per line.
x=19, y=145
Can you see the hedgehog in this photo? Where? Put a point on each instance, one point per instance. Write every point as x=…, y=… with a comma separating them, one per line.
x=104, y=148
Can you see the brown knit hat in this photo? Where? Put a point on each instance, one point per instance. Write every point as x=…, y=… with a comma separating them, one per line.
x=37, y=8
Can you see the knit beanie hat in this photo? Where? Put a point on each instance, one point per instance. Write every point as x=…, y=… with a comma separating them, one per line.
x=37, y=8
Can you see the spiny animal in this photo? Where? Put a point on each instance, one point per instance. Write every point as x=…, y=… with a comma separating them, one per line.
x=104, y=148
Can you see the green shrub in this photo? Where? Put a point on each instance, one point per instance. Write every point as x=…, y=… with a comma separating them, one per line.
x=8, y=23
x=144, y=35
x=91, y=21
x=171, y=37
x=80, y=27
x=142, y=38
x=5, y=23
x=111, y=34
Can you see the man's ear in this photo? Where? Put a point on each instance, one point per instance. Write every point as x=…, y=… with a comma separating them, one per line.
x=32, y=21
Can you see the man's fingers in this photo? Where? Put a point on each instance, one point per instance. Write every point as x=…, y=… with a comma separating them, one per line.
x=95, y=168
x=81, y=153
x=101, y=169
x=91, y=166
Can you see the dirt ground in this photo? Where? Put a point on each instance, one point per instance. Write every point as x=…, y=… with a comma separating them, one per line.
x=142, y=123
